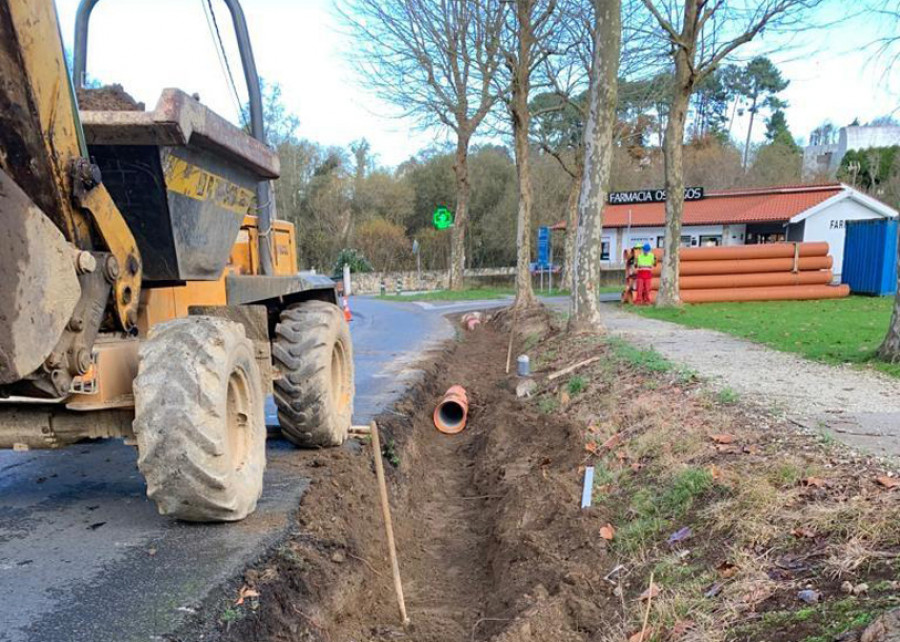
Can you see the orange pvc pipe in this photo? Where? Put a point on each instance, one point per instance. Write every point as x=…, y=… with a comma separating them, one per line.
x=759, y=279
x=783, y=293
x=452, y=411
x=743, y=252
x=749, y=266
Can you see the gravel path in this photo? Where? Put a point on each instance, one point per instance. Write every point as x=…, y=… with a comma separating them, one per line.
x=859, y=408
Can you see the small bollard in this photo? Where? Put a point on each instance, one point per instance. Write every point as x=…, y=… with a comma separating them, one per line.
x=399, y=285
x=383, y=287
x=523, y=365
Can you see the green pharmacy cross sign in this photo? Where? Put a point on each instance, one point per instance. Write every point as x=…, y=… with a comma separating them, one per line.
x=443, y=218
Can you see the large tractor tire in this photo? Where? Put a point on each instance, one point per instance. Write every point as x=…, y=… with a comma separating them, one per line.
x=199, y=420
x=314, y=395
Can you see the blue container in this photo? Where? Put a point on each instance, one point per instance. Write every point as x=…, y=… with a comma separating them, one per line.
x=870, y=257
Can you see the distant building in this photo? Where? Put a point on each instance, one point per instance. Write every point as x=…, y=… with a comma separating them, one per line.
x=745, y=216
x=824, y=160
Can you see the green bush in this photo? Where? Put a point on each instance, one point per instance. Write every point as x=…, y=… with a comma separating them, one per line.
x=354, y=258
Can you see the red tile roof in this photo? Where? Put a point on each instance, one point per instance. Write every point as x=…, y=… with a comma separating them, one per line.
x=724, y=207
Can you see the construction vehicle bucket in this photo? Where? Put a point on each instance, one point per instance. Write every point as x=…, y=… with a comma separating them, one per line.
x=183, y=177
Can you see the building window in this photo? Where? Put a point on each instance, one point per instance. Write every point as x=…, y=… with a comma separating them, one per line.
x=660, y=241
x=604, y=250
x=686, y=240
x=710, y=240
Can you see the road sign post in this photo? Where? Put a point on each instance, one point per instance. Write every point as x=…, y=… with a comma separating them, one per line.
x=543, y=261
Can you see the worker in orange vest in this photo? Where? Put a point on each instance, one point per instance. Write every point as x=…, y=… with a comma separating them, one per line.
x=644, y=262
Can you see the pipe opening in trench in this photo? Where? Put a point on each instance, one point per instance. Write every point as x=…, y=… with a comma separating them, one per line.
x=452, y=415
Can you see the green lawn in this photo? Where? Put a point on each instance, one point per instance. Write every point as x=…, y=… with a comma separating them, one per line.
x=834, y=331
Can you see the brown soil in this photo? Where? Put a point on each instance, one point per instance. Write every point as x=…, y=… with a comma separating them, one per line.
x=494, y=546
x=492, y=542
x=108, y=98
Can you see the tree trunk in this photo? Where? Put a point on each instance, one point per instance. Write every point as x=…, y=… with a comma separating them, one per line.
x=520, y=122
x=598, y=152
x=890, y=348
x=673, y=151
x=568, y=275
x=461, y=215
x=749, y=132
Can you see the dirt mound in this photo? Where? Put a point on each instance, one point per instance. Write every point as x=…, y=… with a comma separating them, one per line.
x=491, y=539
x=107, y=98
x=739, y=527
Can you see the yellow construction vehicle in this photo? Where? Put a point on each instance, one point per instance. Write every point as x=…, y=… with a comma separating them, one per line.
x=146, y=292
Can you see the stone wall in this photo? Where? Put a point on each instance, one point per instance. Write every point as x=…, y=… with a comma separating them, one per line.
x=439, y=279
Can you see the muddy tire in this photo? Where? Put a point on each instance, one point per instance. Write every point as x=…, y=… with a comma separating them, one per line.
x=314, y=395
x=199, y=420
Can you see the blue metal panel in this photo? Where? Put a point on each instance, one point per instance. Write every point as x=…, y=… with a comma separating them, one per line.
x=870, y=257
x=543, y=247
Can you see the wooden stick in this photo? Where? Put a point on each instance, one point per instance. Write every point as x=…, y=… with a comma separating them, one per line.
x=565, y=371
x=647, y=612
x=512, y=334
x=388, y=526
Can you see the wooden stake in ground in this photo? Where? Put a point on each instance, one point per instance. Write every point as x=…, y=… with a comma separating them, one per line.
x=388, y=526
x=512, y=334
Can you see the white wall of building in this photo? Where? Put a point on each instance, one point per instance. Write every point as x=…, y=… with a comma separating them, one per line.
x=829, y=225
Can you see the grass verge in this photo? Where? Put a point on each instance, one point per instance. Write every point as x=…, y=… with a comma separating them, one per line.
x=833, y=331
x=733, y=513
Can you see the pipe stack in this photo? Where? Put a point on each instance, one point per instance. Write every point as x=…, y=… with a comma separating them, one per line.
x=771, y=272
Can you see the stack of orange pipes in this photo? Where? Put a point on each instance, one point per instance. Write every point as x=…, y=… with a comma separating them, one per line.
x=772, y=272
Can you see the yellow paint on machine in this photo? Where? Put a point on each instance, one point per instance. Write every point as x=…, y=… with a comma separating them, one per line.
x=191, y=181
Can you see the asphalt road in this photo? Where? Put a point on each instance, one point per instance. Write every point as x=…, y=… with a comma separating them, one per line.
x=84, y=555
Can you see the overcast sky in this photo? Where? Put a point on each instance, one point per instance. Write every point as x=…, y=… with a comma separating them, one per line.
x=148, y=45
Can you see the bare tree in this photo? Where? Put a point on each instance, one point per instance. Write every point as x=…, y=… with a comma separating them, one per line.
x=437, y=60
x=701, y=34
x=598, y=152
x=530, y=30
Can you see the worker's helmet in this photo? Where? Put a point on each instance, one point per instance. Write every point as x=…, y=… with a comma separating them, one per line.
x=646, y=247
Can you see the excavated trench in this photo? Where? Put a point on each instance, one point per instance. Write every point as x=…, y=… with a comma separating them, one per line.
x=492, y=542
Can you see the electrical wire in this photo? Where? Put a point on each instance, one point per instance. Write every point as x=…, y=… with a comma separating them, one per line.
x=224, y=63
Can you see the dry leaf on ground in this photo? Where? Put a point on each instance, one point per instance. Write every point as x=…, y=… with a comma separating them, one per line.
x=244, y=593
x=652, y=591
x=888, y=482
x=607, y=532
x=722, y=438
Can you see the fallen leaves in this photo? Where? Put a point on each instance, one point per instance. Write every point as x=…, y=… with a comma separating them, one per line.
x=815, y=482
x=650, y=593
x=803, y=532
x=607, y=532
x=613, y=441
x=642, y=636
x=245, y=593
x=726, y=569
x=722, y=438
x=591, y=447
x=888, y=482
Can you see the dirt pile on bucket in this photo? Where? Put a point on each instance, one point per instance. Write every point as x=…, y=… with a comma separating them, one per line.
x=107, y=98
